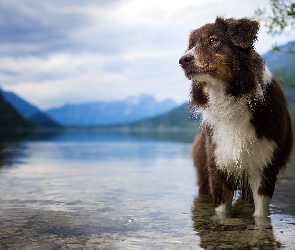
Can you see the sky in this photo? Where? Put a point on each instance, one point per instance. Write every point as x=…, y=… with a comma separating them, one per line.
x=56, y=52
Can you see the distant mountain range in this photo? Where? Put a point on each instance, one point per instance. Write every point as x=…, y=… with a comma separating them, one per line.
x=28, y=111
x=179, y=117
x=91, y=114
x=284, y=62
x=10, y=118
x=282, y=59
x=134, y=112
x=109, y=113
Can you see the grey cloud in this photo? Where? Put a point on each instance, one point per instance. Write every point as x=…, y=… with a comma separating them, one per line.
x=9, y=73
x=41, y=27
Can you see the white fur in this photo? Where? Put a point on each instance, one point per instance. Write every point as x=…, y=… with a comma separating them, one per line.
x=261, y=205
x=192, y=52
x=225, y=207
x=267, y=78
x=238, y=149
x=261, y=202
x=237, y=146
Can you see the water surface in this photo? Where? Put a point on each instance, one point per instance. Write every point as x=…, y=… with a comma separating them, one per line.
x=91, y=190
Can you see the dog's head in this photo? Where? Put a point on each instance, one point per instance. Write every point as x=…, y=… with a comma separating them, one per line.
x=221, y=50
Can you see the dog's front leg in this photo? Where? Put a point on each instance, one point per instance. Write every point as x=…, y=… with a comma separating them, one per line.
x=222, y=188
x=261, y=201
x=263, y=186
x=261, y=205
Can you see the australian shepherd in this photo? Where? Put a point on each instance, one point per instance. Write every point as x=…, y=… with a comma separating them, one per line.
x=246, y=136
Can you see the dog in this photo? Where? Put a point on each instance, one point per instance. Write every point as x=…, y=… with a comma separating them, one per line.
x=246, y=136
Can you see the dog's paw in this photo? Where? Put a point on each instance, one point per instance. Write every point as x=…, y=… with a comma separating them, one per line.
x=224, y=208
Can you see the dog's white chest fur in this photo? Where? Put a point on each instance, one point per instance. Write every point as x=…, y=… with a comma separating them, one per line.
x=238, y=149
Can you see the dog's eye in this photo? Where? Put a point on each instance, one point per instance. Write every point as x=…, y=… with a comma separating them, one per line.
x=212, y=40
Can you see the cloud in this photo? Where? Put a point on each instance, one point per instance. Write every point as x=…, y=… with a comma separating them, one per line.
x=89, y=76
x=56, y=52
x=42, y=27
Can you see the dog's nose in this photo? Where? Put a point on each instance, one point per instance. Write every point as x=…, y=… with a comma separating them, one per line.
x=185, y=59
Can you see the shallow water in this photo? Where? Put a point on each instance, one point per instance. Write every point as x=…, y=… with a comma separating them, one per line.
x=91, y=190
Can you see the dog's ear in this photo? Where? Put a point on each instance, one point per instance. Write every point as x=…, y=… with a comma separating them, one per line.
x=221, y=23
x=242, y=32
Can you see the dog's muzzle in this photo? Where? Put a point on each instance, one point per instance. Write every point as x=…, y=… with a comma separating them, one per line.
x=185, y=60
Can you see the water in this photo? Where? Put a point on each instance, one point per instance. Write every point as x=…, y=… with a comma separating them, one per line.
x=91, y=190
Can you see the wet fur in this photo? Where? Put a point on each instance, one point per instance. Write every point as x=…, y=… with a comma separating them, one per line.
x=246, y=136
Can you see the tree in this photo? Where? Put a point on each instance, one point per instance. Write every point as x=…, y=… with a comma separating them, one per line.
x=280, y=18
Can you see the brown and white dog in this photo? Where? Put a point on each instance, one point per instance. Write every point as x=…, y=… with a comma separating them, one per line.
x=246, y=136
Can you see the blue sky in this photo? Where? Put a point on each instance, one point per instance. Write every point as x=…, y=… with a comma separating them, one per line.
x=55, y=52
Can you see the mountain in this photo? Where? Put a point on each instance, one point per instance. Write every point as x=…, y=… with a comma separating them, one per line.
x=40, y=119
x=179, y=117
x=10, y=118
x=28, y=111
x=282, y=59
x=23, y=107
x=140, y=111
x=110, y=113
x=284, y=62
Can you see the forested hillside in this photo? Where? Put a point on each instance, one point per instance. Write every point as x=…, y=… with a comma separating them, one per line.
x=10, y=118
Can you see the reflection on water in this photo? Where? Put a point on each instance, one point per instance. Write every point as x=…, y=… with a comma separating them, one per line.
x=238, y=229
x=122, y=191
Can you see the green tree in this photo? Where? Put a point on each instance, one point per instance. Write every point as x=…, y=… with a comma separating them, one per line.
x=279, y=18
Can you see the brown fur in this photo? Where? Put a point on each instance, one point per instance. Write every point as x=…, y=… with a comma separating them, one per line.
x=225, y=52
x=199, y=156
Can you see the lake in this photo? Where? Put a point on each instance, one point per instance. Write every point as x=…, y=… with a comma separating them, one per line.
x=94, y=190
